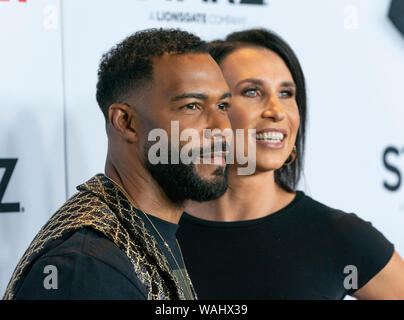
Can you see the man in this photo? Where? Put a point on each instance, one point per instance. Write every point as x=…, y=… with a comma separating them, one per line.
x=115, y=239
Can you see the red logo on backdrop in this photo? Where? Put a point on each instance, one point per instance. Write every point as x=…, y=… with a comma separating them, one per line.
x=11, y=0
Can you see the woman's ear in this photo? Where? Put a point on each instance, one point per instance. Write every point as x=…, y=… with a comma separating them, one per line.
x=123, y=120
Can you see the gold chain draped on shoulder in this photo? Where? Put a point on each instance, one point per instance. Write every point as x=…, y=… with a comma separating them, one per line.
x=100, y=205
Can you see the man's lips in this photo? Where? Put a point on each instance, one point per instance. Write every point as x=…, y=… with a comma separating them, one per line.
x=218, y=157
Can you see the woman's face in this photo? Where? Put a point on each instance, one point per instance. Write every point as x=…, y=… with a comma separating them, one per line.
x=263, y=98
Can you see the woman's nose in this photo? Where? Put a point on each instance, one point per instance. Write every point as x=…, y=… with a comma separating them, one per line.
x=274, y=110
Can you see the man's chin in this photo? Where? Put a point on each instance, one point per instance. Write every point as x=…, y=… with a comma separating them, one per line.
x=212, y=182
x=190, y=182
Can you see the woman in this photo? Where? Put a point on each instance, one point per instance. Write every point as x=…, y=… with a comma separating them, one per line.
x=263, y=239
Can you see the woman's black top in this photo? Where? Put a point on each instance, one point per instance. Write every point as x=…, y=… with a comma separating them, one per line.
x=304, y=251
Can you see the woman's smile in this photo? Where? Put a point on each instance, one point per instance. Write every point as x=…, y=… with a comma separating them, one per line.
x=271, y=138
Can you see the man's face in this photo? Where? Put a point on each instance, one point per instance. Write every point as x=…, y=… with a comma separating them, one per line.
x=189, y=89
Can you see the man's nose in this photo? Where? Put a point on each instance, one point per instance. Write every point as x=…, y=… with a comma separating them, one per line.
x=218, y=120
x=218, y=126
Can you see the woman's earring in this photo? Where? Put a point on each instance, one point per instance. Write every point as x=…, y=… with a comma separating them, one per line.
x=292, y=157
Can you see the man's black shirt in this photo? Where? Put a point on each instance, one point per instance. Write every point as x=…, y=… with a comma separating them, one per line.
x=303, y=251
x=90, y=266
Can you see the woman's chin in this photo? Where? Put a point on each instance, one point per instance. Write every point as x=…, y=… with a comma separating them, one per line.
x=267, y=167
x=260, y=168
x=269, y=162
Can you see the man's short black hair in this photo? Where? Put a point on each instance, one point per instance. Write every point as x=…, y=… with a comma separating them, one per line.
x=129, y=64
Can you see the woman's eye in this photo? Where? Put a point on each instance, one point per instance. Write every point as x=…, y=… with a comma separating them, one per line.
x=251, y=92
x=287, y=94
x=223, y=106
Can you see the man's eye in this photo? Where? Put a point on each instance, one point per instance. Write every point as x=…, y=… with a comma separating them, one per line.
x=251, y=92
x=190, y=106
x=223, y=106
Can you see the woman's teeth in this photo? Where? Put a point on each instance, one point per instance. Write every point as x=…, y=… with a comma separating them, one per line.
x=270, y=136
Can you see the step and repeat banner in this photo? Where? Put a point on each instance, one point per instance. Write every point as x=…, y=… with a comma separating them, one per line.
x=52, y=134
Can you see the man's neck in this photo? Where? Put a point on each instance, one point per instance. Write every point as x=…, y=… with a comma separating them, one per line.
x=144, y=192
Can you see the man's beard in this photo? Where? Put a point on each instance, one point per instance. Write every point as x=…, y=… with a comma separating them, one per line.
x=181, y=182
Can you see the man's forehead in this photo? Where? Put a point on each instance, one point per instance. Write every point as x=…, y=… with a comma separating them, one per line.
x=180, y=58
x=181, y=72
x=177, y=65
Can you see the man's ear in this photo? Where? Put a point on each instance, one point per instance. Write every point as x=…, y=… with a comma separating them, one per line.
x=123, y=119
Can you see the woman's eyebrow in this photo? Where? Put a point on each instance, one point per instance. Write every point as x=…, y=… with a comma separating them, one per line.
x=259, y=82
x=288, y=84
x=252, y=80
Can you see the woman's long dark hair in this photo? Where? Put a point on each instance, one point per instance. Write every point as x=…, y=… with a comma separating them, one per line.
x=287, y=177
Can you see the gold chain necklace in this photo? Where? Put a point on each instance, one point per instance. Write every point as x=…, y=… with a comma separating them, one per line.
x=187, y=279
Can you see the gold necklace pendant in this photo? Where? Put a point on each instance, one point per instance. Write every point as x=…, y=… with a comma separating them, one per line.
x=187, y=279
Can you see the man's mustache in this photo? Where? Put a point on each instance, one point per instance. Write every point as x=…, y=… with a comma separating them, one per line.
x=214, y=147
x=197, y=153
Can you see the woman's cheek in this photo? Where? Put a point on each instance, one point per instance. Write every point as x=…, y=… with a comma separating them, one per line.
x=239, y=117
x=294, y=119
x=241, y=121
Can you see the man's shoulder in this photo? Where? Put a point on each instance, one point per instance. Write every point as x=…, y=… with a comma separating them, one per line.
x=87, y=241
x=88, y=266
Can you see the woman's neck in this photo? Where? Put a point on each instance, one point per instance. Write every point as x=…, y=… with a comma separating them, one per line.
x=248, y=197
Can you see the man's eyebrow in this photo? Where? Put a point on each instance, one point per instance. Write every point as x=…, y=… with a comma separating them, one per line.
x=200, y=96
x=225, y=95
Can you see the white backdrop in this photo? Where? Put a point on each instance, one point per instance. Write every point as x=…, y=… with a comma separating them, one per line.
x=352, y=56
